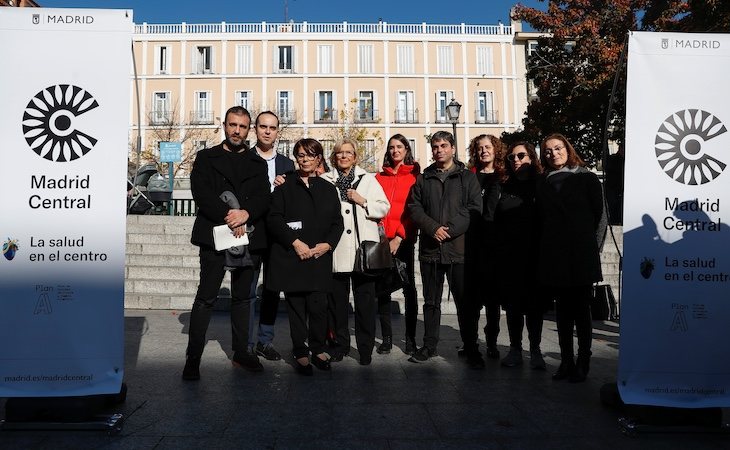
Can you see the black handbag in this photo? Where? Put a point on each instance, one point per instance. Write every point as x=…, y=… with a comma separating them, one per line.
x=371, y=258
x=392, y=280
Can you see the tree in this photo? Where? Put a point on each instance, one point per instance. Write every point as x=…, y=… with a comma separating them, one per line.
x=368, y=141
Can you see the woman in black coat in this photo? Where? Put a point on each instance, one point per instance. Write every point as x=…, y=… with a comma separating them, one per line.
x=573, y=222
x=305, y=225
x=516, y=243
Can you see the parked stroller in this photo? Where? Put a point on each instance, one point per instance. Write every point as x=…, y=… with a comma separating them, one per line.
x=149, y=190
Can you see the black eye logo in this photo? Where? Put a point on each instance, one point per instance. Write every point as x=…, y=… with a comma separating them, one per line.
x=48, y=123
x=679, y=142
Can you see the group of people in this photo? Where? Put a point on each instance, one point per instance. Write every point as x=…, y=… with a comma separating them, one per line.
x=510, y=231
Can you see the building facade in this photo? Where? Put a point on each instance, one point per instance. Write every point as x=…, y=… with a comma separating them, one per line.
x=325, y=80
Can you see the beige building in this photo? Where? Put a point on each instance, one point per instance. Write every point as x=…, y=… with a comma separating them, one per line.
x=324, y=79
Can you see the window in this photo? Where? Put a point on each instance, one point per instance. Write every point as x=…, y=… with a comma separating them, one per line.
x=405, y=59
x=162, y=60
x=244, y=59
x=325, y=111
x=485, y=64
x=200, y=145
x=284, y=107
x=161, y=108
x=368, y=153
x=243, y=98
x=445, y=60
x=406, y=112
x=443, y=98
x=203, y=113
x=365, y=58
x=284, y=147
x=485, y=112
x=203, y=59
x=365, y=107
x=284, y=59
x=324, y=59
x=327, y=145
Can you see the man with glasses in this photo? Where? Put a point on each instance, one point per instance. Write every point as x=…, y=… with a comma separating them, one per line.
x=442, y=200
x=225, y=170
x=279, y=166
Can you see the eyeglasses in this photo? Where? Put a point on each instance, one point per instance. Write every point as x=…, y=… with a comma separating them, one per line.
x=554, y=149
x=344, y=153
x=304, y=156
x=516, y=156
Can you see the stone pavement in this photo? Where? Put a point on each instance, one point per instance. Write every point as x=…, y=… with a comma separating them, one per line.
x=391, y=404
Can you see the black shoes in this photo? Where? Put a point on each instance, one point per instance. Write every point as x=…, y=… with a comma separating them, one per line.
x=247, y=361
x=423, y=354
x=267, y=352
x=410, y=346
x=492, y=352
x=565, y=369
x=582, y=366
x=366, y=359
x=191, y=372
x=474, y=360
x=305, y=370
x=337, y=355
x=386, y=346
x=321, y=364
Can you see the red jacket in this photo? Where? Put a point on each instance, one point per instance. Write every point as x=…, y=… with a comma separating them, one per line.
x=396, y=186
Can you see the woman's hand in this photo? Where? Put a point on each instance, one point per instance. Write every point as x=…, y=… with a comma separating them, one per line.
x=354, y=197
x=395, y=244
x=303, y=251
x=320, y=249
x=239, y=231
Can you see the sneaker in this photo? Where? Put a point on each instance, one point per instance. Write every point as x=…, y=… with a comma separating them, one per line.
x=492, y=352
x=411, y=346
x=536, y=360
x=513, y=358
x=191, y=372
x=423, y=354
x=475, y=360
x=267, y=352
x=386, y=346
x=248, y=361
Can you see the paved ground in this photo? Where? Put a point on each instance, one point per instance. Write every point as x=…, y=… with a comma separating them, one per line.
x=392, y=404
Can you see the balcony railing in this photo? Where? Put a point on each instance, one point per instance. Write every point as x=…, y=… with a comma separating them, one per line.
x=406, y=116
x=328, y=115
x=481, y=116
x=439, y=116
x=287, y=116
x=367, y=115
x=160, y=117
x=199, y=117
x=323, y=28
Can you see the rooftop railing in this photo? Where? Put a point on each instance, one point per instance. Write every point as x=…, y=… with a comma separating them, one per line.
x=338, y=28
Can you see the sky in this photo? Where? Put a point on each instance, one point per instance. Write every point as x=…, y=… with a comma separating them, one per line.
x=236, y=11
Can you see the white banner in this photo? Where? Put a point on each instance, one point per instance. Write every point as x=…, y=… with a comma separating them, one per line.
x=64, y=127
x=676, y=300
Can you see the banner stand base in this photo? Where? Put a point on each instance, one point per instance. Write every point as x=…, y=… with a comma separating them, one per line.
x=112, y=424
x=631, y=427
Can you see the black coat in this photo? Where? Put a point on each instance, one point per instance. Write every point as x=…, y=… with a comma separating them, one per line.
x=212, y=174
x=282, y=166
x=572, y=227
x=317, y=210
x=434, y=203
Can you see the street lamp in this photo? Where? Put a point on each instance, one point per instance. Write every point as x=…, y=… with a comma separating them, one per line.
x=452, y=113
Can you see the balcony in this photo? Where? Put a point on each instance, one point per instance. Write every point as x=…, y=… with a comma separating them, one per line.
x=287, y=116
x=366, y=115
x=327, y=115
x=406, y=116
x=160, y=117
x=201, y=117
x=488, y=116
x=439, y=116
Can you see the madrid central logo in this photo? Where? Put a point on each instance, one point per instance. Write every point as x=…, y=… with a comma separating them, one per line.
x=48, y=123
x=681, y=144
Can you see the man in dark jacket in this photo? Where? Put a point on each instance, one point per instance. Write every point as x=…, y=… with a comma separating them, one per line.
x=279, y=166
x=225, y=167
x=441, y=202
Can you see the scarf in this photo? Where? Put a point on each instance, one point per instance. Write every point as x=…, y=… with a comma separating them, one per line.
x=344, y=182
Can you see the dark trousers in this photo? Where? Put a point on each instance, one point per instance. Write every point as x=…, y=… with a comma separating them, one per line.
x=491, y=329
x=432, y=275
x=269, y=303
x=211, y=276
x=363, y=291
x=516, y=323
x=573, y=309
x=303, y=306
x=405, y=254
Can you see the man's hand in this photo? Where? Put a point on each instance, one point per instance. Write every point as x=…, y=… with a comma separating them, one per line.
x=303, y=251
x=395, y=244
x=236, y=218
x=441, y=234
x=279, y=180
x=320, y=249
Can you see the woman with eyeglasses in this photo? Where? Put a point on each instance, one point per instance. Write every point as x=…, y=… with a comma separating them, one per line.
x=486, y=161
x=361, y=199
x=572, y=227
x=398, y=175
x=516, y=249
x=305, y=225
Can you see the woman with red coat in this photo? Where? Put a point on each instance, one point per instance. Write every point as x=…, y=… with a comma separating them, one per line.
x=398, y=175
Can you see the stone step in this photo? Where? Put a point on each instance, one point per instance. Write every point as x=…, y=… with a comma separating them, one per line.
x=163, y=260
x=170, y=272
x=159, y=238
x=162, y=249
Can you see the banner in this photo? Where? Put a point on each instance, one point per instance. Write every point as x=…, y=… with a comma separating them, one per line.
x=676, y=299
x=64, y=128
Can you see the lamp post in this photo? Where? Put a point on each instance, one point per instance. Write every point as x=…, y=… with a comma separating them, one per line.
x=452, y=113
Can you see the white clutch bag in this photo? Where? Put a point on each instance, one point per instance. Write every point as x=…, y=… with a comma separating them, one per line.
x=224, y=239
